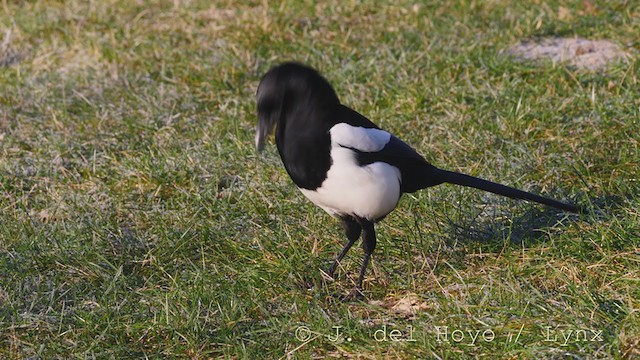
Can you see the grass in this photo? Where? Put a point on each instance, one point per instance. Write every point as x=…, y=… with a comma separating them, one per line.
x=137, y=220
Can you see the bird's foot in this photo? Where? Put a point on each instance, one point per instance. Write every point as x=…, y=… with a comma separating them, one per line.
x=308, y=284
x=327, y=276
x=356, y=294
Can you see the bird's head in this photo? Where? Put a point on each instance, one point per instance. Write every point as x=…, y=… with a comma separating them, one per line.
x=290, y=89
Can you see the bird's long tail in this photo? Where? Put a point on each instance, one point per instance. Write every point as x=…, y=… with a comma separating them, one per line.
x=474, y=182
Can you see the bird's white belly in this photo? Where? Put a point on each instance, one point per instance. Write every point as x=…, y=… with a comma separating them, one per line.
x=370, y=191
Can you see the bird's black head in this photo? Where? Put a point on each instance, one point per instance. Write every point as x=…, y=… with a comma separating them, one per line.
x=290, y=89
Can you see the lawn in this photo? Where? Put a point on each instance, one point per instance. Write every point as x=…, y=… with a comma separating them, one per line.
x=137, y=219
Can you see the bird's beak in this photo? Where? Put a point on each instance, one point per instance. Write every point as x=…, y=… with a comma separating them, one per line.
x=264, y=129
x=269, y=105
x=260, y=135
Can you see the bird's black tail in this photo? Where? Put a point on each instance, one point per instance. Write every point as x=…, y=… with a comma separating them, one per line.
x=474, y=182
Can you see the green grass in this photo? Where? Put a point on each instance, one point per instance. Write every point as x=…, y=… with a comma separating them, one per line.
x=137, y=220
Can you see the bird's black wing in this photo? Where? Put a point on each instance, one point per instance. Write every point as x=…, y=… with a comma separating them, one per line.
x=416, y=172
x=371, y=144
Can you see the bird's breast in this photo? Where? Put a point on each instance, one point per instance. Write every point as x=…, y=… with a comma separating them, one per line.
x=370, y=191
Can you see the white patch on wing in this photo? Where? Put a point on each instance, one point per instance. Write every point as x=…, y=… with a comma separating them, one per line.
x=371, y=191
x=355, y=137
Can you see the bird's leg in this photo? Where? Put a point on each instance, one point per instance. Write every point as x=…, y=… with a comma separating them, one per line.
x=363, y=270
x=368, y=245
x=352, y=229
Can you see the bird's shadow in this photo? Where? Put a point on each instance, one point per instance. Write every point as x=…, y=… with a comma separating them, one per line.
x=492, y=226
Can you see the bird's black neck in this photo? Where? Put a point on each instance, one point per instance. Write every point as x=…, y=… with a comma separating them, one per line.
x=304, y=145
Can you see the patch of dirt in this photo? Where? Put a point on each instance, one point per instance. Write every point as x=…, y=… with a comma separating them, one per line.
x=406, y=307
x=8, y=55
x=217, y=14
x=576, y=52
x=77, y=60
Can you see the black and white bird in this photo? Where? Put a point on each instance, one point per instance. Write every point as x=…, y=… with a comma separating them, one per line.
x=343, y=162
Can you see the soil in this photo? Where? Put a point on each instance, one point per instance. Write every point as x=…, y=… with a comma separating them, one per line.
x=575, y=52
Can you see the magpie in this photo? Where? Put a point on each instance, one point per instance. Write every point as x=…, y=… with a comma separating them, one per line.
x=343, y=162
